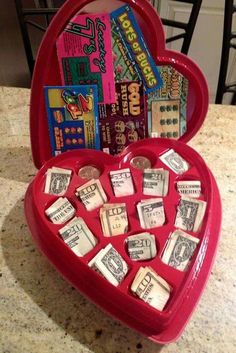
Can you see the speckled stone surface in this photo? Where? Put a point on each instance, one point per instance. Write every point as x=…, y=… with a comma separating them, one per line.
x=40, y=312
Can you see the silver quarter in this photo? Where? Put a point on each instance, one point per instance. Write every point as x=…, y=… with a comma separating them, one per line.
x=140, y=162
x=89, y=172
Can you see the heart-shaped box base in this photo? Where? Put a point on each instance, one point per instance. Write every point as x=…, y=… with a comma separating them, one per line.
x=160, y=326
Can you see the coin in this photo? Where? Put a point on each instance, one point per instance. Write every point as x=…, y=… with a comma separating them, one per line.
x=140, y=162
x=89, y=172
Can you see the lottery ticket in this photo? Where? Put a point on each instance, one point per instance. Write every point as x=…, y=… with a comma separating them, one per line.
x=124, y=121
x=72, y=117
x=167, y=106
x=132, y=59
x=85, y=54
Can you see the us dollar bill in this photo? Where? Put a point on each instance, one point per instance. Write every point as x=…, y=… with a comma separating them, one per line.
x=155, y=182
x=114, y=219
x=91, y=194
x=174, y=161
x=57, y=181
x=190, y=188
x=151, y=213
x=179, y=250
x=122, y=182
x=78, y=236
x=141, y=246
x=110, y=264
x=190, y=213
x=151, y=288
x=60, y=211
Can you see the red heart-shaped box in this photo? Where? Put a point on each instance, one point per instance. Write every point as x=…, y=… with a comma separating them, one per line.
x=186, y=286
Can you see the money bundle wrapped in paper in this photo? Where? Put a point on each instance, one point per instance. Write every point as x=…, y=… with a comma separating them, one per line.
x=60, y=211
x=114, y=219
x=141, y=246
x=190, y=188
x=91, y=194
x=57, y=181
x=151, y=213
x=174, y=161
x=122, y=182
x=78, y=236
x=109, y=263
x=190, y=214
x=179, y=250
x=151, y=288
x=155, y=182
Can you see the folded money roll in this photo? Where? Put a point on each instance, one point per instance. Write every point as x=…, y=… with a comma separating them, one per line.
x=60, y=211
x=151, y=213
x=155, y=182
x=174, y=161
x=110, y=264
x=179, y=250
x=91, y=194
x=114, y=219
x=141, y=246
x=190, y=214
x=122, y=182
x=57, y=181
x=151, y=288
x=78, y=236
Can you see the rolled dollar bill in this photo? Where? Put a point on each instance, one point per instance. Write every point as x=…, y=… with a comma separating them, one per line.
x=151, y=288
x=151, y=213
x=155, y=182
x=174, y=161
x=114, y=219
x=91, y=194
x=179, y=250
x=190, y=213
x=122, y=182
x=57, y=181
x=190, y=188
x=60, y=211
x=78, y=236
x=110, y=264
x=141, y=246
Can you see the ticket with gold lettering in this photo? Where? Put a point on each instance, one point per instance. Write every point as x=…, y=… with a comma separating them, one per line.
x=124, y=121
x=84, y=52
x=131, y=57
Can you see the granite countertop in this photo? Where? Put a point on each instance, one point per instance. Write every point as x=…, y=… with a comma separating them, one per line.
x=41, y=312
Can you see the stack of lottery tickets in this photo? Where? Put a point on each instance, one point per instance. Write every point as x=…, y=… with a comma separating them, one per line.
x=112, y=92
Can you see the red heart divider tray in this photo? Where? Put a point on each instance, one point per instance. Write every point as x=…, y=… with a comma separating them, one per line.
x=119, y=301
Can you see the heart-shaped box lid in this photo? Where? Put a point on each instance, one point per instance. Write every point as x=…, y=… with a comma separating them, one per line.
x=47, y=73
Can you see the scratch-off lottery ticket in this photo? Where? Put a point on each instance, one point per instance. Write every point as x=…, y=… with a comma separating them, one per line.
x=167, y=106
x=72, y=117
x=85, y=54
x=124, y=121
x=131, y=57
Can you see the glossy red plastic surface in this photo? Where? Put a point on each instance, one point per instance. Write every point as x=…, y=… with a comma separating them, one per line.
x=187, y=286
x=46, y=70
